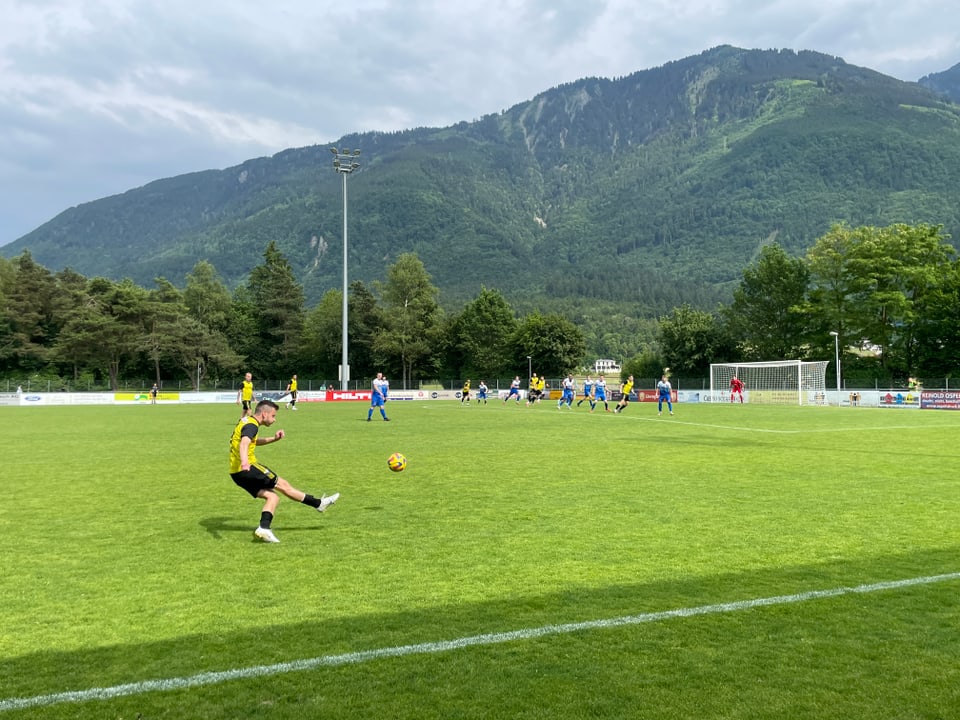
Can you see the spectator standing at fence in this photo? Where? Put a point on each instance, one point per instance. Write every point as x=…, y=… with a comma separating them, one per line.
x=154, y=391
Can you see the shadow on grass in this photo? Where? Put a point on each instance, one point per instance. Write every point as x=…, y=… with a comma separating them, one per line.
x=53, y=671
x=217, y=526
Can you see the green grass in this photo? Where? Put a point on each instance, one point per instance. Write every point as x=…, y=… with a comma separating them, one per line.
x=129, y=557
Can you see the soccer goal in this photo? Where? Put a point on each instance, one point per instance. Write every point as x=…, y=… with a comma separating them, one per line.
x=782, y=382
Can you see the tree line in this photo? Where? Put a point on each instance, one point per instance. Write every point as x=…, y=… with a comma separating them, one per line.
x=94, y=332
x=892, y=295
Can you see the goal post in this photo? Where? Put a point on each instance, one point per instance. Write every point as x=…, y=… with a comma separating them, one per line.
x=776, y=382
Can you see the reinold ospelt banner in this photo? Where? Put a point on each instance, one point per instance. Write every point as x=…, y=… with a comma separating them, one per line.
x=940, y=399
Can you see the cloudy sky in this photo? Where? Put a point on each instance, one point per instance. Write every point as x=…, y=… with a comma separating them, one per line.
x=101, y=96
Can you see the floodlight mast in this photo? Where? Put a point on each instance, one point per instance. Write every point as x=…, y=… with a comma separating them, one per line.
x=345, y=162
x=836, y=357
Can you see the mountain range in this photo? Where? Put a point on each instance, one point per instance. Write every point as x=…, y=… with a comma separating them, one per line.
x=650, y=190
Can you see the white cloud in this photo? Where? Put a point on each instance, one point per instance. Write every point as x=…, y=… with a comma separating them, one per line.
x=97, y=96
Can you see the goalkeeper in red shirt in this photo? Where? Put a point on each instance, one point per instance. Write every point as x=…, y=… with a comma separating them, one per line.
x=736, y=388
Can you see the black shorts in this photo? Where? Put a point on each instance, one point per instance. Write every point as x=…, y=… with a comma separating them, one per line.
x=255, y=479
x=246, y=404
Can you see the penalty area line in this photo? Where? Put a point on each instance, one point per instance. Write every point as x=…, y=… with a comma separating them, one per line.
x=213, y=678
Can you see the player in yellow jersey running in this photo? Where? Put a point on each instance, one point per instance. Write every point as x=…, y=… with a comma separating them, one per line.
x=625, y=389
x=245, y=396
x=292, y=392
x=533, y=391
x=259, y=480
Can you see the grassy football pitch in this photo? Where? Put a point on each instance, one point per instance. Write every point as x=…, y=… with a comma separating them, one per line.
x=727, y=562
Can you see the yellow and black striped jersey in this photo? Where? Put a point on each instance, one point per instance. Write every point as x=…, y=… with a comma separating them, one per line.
x=247, y=427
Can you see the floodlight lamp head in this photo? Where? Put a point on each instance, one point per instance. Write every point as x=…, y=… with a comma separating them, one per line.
x=334, y=151
x=354, y=166
x=356, y=152
x=834, y=333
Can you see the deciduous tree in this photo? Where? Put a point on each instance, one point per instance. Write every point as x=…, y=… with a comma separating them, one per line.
x=767, y=316
x=554, y=344
x=691, y=339
x=478, y=338
x=411, y=319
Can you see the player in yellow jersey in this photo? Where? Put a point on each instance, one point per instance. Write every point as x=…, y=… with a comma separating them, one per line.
x=259, y=480
x=625, y=389
x=533, y=390
x=292, y=392
x=245, y=395
x=465, y=394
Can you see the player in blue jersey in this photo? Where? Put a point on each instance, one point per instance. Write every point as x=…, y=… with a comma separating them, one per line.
x=587, y=392
x=378, y=398
x=664, y=391
x=482, y=390
x=599, y=394
x=569, y=391
x=514, y=389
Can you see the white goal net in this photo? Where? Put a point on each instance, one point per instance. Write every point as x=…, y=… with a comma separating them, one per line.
x=781, y=382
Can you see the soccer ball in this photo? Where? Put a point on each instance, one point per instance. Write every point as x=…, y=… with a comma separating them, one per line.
x=396, y=462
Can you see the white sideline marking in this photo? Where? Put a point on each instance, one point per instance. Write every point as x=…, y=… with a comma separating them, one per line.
x=213, y=678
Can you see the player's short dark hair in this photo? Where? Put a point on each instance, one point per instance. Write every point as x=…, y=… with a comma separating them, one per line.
x=266, y=404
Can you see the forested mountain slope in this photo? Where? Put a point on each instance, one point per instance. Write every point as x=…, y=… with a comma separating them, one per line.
x=946, y=83
x=652, y=189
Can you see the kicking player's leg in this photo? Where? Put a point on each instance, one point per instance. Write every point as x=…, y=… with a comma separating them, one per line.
x=320, y=504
